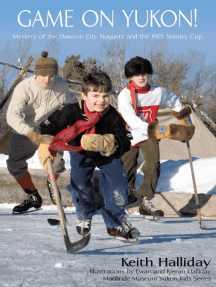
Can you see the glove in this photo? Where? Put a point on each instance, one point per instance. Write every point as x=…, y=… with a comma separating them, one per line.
x=105, y=144
x=183, y=116
x=37, y=138
x=173, y=131
x=44, y=154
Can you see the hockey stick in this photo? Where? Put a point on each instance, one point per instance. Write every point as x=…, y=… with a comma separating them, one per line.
x=16, y=82
x=54, y=221
x=71, y=247
x=15, y=67
x=194, y=185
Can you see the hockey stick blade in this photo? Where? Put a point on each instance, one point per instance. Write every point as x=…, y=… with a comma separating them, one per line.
x=73, y=247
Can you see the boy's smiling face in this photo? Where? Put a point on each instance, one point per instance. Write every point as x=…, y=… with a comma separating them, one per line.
x=140, y=80
x=96, y=101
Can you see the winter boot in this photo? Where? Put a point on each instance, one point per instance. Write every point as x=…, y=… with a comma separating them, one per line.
x=147, y=208
x=83, y=226
x=34, y=200
x=126, y=231
x=51, y=191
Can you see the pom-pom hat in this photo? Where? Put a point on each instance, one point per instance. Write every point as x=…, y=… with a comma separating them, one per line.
x=45, y=66
x=138, y=66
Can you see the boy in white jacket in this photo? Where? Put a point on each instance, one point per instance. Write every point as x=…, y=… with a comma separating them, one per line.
x=138, y=104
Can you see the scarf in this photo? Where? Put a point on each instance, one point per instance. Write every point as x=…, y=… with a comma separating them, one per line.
x=59, y=142
x=135, y=89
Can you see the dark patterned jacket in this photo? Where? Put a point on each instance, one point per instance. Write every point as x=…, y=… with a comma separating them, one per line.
x=110, y=123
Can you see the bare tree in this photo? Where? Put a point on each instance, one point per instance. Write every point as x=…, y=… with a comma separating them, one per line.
x=185, y=73
x=170, y=70
x=17, y=54
x=209, y=94
x=112, y=61
x=11, y=54
x=53, y=48
x=75, y=69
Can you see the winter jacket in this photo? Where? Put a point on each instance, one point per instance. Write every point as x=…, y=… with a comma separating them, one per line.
x=32, y=103
x=148, y=105
x=110, y=123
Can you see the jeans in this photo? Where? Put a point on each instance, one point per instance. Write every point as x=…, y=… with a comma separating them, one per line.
x=112, y=186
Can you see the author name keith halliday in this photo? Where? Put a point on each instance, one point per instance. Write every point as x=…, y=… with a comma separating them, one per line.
x=166, y=262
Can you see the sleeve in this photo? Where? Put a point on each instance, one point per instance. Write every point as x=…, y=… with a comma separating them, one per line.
x=69, y=98
x=56, y=122
x=171, y=100
x=128, y=113
x=16, y=111
x=121, y=134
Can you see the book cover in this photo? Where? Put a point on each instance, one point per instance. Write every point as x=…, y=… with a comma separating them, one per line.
x=178, y=37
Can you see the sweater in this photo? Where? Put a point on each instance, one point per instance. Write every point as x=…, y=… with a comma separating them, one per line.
x=148, y=105
x=110, y=123
x=32, y=103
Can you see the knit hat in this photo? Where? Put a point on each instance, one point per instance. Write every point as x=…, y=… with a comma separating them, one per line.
x=46, y=66
x=138, y=66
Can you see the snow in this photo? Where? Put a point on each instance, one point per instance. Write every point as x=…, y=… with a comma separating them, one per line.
x=33, y=253
x=175, y=175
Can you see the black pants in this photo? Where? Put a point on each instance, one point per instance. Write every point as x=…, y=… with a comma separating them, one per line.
x=22, y=149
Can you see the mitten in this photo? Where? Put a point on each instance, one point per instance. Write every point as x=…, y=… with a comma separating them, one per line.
x=173, y=131
x=183, y=116
x=105, y=144
x=44, y=154
x=37, y=138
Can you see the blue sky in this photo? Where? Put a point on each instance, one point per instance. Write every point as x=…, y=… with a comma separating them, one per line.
x=202, y=37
